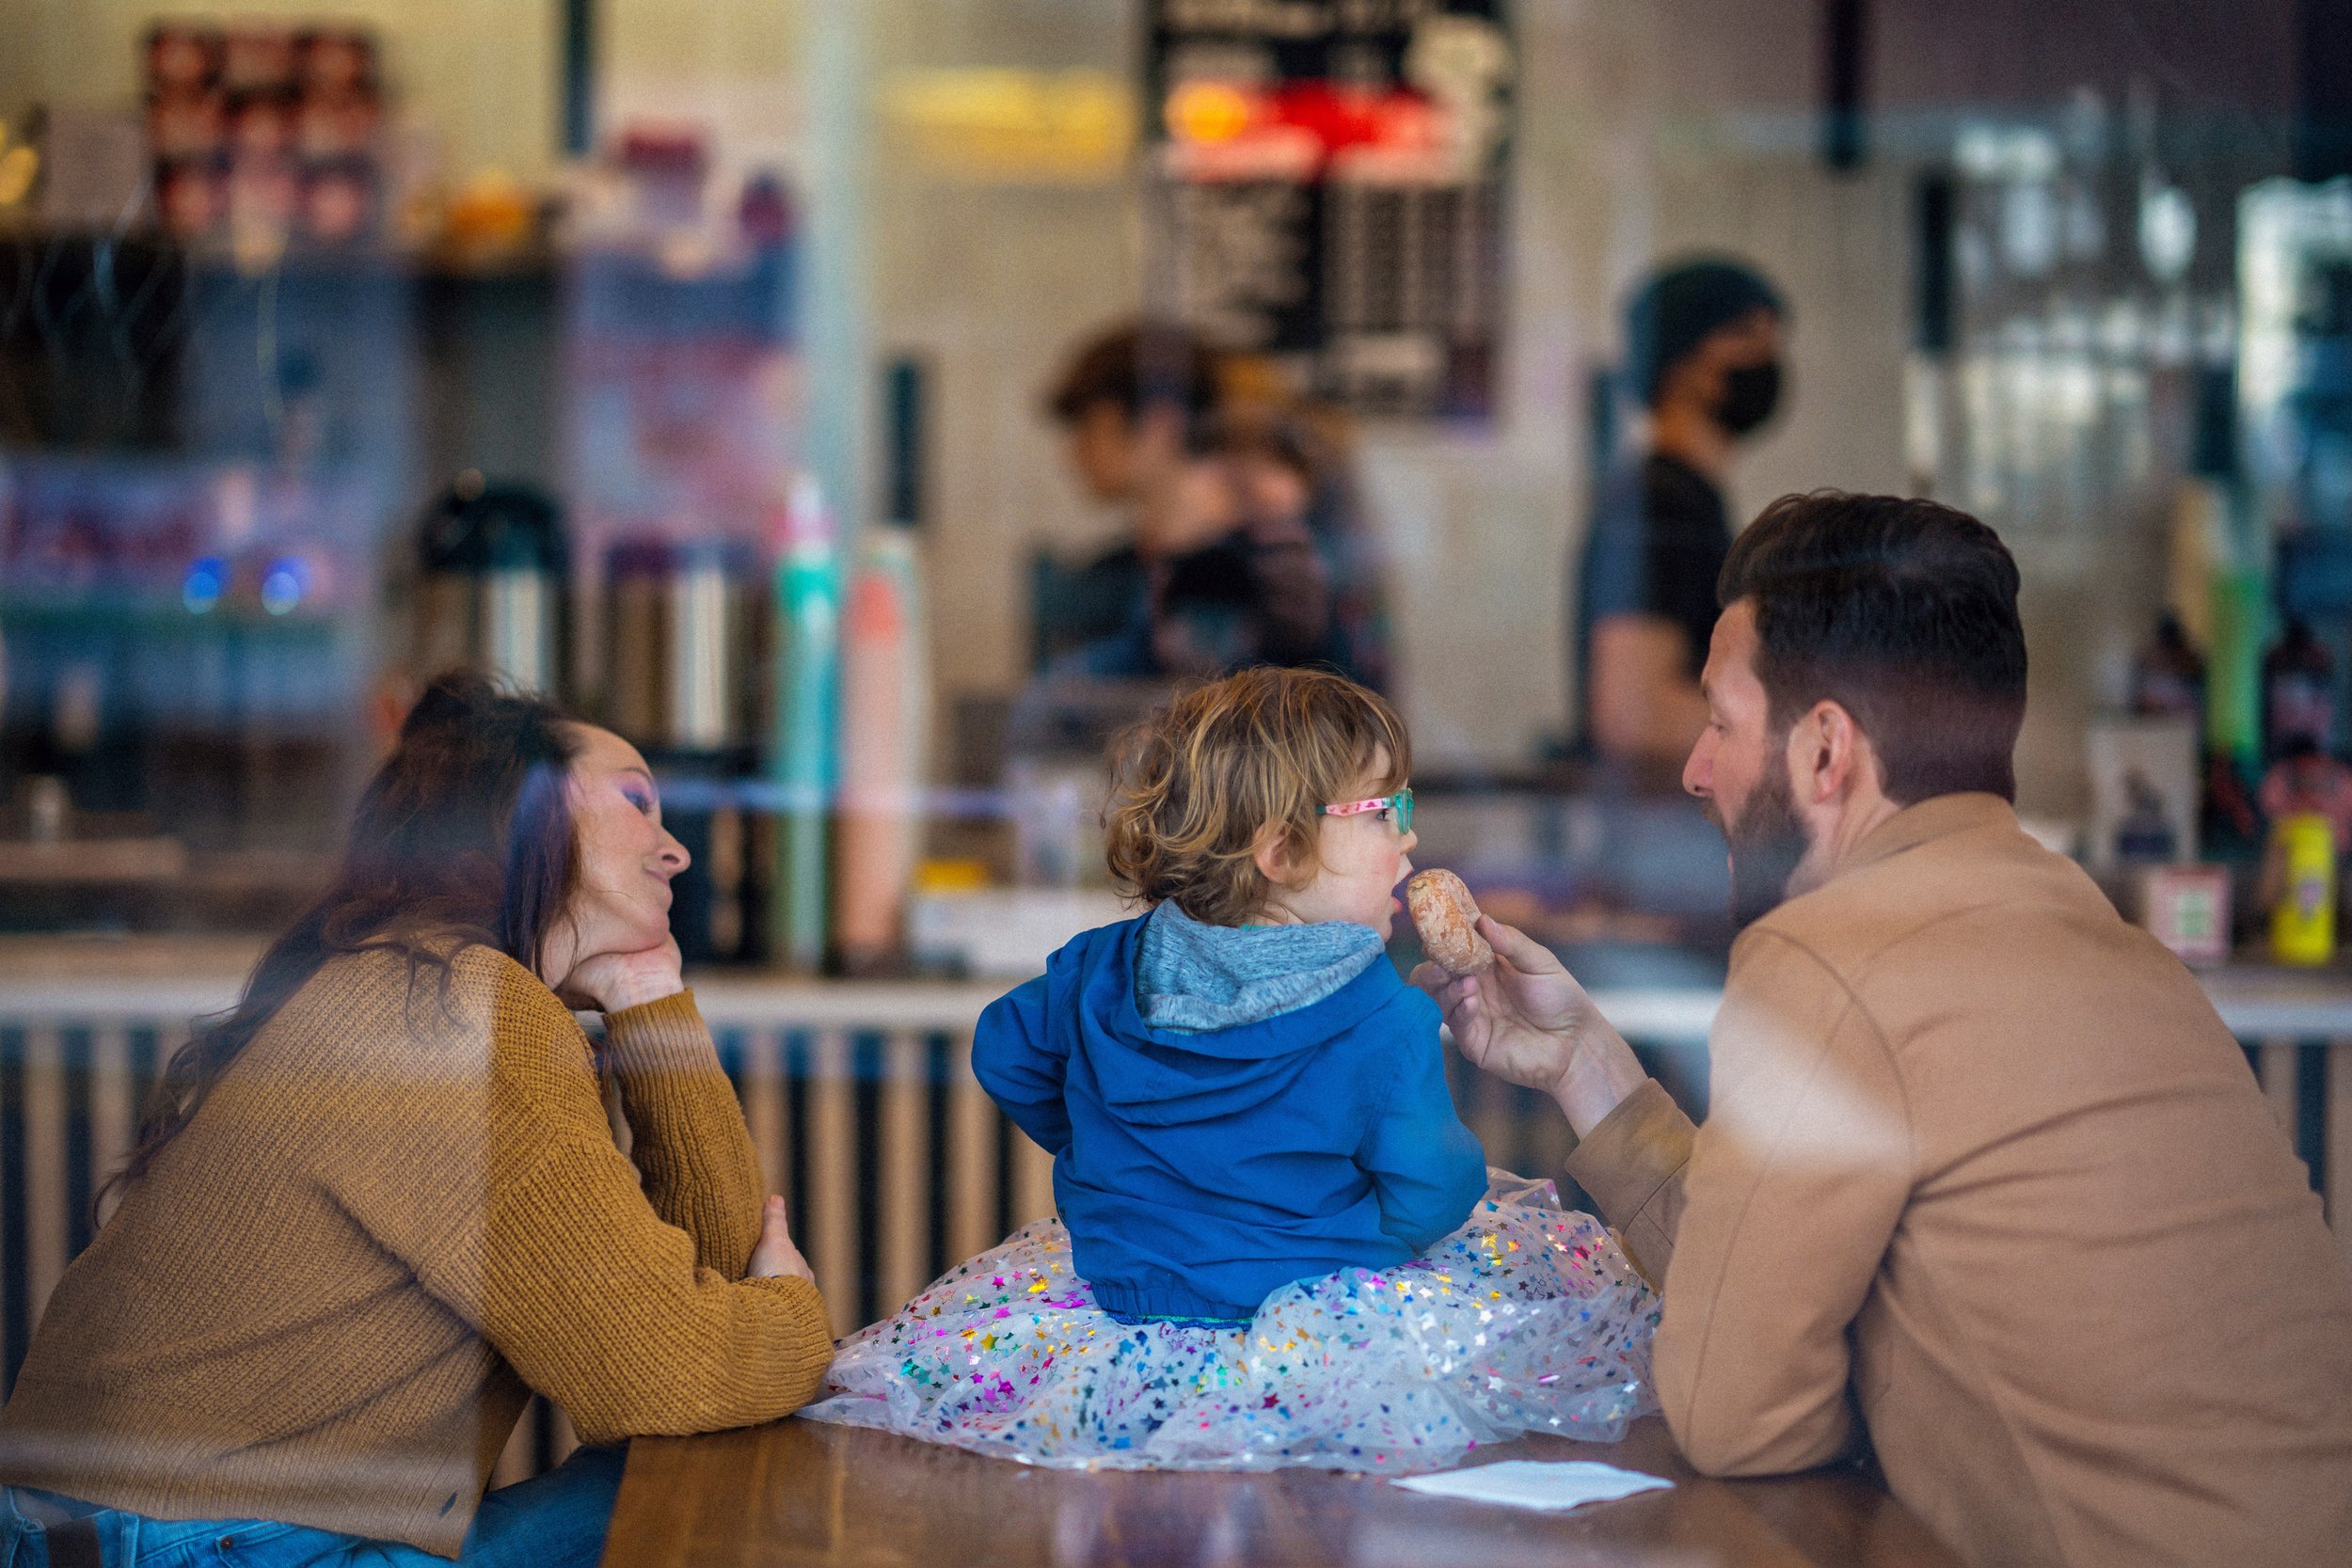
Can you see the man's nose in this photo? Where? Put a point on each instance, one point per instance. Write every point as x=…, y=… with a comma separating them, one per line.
x=1698, y=771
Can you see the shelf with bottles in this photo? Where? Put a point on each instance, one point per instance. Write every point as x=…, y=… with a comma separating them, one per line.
x=2273, y=806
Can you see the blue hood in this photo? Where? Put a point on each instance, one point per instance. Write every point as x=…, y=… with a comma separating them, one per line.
x=1166, y=1077
x=1193, y=976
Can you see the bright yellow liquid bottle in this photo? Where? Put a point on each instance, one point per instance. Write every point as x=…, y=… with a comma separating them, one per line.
x=2303, y=925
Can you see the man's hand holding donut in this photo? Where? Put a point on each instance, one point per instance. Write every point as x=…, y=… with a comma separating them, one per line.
x=1527, y=1020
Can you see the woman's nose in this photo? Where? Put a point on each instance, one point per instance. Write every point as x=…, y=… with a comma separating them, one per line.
x=673, y=854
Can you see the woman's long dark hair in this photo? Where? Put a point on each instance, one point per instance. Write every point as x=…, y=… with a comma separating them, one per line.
x=463, y=838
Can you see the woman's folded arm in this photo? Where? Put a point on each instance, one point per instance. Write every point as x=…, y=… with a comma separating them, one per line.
x=603, y=1308
x=688, y=1137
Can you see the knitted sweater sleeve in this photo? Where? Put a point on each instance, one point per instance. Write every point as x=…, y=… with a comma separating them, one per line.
x=687, y=1133
x=604, y=1311
x=563, y=1263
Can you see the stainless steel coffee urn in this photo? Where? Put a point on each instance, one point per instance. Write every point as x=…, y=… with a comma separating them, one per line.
x=684, y=647
x=492, y=593
x=684, y=660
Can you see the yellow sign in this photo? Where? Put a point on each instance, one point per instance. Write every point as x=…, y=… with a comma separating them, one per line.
x=1013, y=126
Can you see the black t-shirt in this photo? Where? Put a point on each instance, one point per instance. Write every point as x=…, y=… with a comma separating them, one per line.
x=1657, y=544
x=1100, y=599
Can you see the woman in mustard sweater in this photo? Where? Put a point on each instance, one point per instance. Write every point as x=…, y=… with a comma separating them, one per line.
x=379, y=1204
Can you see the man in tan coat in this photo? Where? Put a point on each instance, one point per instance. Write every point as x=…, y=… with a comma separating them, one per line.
x=1982, y=1167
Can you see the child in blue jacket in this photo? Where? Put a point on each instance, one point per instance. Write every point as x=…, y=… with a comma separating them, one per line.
x=1276, y=1243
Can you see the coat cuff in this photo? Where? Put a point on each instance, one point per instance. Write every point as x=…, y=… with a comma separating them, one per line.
x=1631, y=1165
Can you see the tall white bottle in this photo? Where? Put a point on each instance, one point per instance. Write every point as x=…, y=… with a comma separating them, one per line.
x=885, y=723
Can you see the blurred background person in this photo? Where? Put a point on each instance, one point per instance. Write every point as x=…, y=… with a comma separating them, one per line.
x=1254, y=591
x=1295, y=456
x=1703, y=352
x=1245, y=543
x=1130, y=403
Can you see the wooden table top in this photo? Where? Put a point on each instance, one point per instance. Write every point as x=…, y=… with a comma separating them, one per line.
x=800, y=1493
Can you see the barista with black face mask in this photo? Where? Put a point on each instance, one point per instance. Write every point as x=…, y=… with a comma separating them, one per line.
x=1703, y=343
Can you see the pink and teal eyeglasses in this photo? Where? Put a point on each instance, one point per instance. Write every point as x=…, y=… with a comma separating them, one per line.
x=1401, y=803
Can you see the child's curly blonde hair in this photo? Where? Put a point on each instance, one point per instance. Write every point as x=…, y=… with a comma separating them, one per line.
x=1193, y=785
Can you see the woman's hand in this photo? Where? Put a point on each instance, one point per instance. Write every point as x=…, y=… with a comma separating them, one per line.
x=775, y=1257
x=1527, y=1021
x=610, y=982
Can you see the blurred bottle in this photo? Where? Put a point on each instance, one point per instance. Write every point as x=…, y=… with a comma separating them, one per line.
x=763, y=214
x=2298, y=693
x=2169, y=674
x=2303, y=918
x=800, y=758
x=2145, y=836
x=885, y=697
x=636, y=597
x=2233, y=669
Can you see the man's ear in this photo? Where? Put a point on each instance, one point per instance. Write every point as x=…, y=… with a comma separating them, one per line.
x=1826, y=747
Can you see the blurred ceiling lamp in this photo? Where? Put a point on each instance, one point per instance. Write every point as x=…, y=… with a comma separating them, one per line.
x=1008, y=126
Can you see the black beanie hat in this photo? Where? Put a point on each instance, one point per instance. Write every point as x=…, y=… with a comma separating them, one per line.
x=1672, y=313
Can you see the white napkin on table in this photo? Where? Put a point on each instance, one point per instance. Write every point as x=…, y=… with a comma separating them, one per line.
x=1536, y=1483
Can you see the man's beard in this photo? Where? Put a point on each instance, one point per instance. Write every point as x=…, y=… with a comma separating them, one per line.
x=1767, y=844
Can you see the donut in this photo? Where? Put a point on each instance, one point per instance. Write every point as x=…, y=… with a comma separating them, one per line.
x=1447, y=918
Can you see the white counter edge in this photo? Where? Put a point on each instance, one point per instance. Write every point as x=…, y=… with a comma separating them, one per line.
x=2256, y=1004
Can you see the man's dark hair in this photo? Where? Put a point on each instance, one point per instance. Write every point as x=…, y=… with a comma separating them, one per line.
x=1903, y=612
x=1139, y=367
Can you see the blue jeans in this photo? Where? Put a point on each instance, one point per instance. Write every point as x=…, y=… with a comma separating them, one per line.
x=556, y=1520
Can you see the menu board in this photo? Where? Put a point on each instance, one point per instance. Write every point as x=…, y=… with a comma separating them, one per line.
x=1329, y=189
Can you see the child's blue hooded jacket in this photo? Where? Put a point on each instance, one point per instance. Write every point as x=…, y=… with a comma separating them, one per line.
x=1198, y=1171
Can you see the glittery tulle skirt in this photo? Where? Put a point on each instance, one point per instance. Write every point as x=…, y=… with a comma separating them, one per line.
x=1526, y=1319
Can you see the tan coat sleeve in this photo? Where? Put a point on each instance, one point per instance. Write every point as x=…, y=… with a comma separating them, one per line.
x=686, y=1131
x=1792, y=1195
x=1633, y=1164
